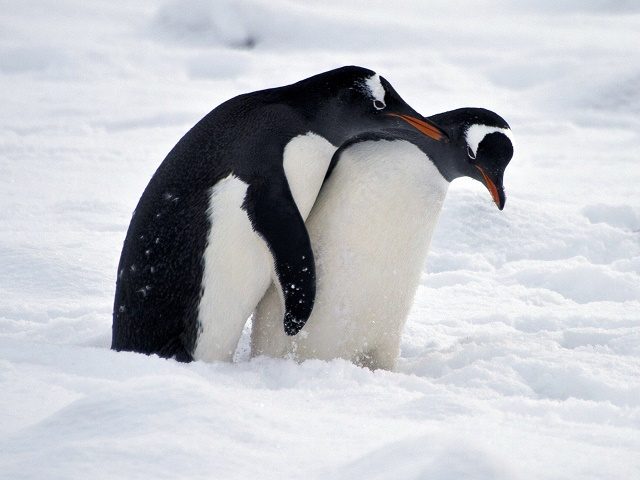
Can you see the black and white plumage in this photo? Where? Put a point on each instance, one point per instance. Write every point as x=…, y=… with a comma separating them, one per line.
x=370, y=229
x=224, y=213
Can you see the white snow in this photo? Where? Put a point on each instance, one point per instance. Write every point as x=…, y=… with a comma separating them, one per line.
x=521, y=356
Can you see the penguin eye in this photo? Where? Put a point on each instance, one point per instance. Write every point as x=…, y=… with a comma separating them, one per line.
x=470, y=153
x=378, y=105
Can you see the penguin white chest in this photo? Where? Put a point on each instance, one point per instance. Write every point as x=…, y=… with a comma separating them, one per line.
x=370, y=230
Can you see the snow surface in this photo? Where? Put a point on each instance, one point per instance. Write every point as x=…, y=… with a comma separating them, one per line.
x=521, y=357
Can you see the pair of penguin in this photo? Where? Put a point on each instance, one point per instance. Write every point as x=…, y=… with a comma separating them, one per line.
x=224, y=216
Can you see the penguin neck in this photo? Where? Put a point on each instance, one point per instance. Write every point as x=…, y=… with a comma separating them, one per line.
x=451, y=157
x=328, y=121
x=319, y=112
x=446, y=158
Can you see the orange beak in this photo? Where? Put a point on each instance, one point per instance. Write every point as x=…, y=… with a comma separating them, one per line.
x=431, y=130
x=496, y=193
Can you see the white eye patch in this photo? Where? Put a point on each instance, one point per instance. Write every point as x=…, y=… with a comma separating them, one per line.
x=476, y=133
x=374, y=85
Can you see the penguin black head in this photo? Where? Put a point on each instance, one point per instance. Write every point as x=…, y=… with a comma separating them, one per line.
x=480, y=147
x=350, y=100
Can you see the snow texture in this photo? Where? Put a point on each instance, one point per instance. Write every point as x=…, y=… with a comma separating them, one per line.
x=521, y=356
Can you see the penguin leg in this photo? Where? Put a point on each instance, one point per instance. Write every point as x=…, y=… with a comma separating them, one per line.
x=175, y=348
x=267, y=336
x=385, y=355
x=275, y=217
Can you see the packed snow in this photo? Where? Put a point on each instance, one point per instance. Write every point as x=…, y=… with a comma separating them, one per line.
x=521, y=356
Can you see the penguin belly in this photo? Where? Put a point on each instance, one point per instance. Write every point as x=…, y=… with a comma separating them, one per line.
x=238, y=265
x=370, y=230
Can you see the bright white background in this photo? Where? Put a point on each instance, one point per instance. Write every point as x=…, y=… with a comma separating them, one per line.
x=521, y=357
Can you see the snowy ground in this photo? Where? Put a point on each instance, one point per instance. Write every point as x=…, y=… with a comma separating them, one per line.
x=521, y=358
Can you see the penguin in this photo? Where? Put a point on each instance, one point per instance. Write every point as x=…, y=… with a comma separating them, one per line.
x=224, y=213
x=370, y=229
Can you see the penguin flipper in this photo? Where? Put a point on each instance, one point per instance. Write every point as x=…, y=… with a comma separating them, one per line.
x=276, y=218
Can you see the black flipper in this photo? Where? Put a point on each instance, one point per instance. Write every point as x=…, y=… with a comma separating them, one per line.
x=275, y=217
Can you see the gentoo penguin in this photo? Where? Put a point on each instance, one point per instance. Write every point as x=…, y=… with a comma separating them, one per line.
x=224, y=213
x=370, y=229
